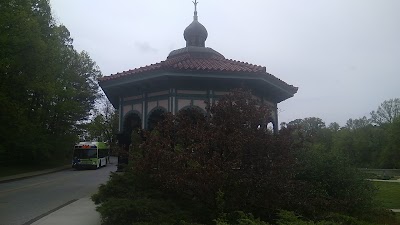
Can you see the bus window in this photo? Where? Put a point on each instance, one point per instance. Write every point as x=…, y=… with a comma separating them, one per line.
x=85, y=153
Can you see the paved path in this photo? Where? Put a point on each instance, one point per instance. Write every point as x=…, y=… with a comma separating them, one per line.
x=390, y=181
x=28, y=200
x=80, y=212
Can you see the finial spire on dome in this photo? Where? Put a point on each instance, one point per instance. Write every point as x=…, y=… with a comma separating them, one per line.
x=195, y=10
x=195, y=34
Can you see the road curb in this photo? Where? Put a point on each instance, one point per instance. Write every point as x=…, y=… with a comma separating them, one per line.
x=49, y=212
x=76, y=212
x=22, y=176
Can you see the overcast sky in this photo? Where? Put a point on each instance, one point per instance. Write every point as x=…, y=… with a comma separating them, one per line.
x=344, y=55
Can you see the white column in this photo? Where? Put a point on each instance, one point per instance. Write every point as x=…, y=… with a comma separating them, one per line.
x=143, y=110
x=120, y=115
x=173, y=101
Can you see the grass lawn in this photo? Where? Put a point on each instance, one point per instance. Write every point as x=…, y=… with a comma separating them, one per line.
x=389, y=194
x=17, y=169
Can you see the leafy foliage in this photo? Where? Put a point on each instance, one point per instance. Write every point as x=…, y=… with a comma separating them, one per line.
x=357, y=123
x=362, y=146
x=227, y=151
x=391, y=154
x=334, y=185
x=134, y=199
x=387, y=112
x=240, y=218
x=47, y=87
x=365, y=142
x=104, y=125
x=224, y=167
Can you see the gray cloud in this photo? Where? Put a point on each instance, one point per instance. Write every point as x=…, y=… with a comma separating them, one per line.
x=343, y=55
x=145, y=47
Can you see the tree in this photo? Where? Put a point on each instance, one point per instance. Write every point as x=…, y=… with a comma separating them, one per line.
x=361, y=145
x=309, y=126
x=47, y=87
x=387, y=112
x=357, y=123
x=104, y=125
x=310, y=131
x=390, y=157
x=334, y=126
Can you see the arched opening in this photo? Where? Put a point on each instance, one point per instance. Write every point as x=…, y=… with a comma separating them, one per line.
x=155, y=117
x=270, y=126
x=131, y=122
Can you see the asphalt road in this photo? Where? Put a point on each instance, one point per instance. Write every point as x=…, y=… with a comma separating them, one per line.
x=24, y=200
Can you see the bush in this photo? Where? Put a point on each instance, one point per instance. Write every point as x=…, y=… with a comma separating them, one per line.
x=239, y=218
x=196, y=168
x=227, y=152
x=334, y=185
x=134, y=199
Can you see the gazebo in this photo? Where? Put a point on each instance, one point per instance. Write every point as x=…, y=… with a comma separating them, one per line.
x=193, y=76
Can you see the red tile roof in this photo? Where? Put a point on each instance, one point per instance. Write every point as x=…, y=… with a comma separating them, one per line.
x=193, y=64
x=187, y=63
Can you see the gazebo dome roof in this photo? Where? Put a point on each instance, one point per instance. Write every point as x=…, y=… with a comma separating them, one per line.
x=195, y=34
x=196, y=52
x=200, y=62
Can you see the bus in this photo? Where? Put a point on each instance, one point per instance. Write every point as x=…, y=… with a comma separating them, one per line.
x=91, y=155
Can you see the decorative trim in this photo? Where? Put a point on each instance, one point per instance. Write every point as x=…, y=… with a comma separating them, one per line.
x=156, y=98
x=288, y=90
x=191, y=92
x=137, y=97
x=221, y=93
x=158, y=93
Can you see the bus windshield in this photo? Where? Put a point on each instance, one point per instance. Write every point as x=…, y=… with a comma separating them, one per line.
x=85, y=153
